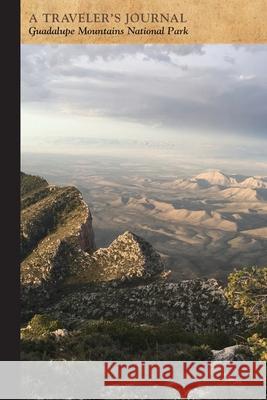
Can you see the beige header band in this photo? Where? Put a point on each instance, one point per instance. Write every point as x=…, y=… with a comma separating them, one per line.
x=143, y=21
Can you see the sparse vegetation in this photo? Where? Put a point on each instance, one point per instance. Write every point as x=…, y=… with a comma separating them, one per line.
x=30, y=183
x=258, y=346
x=105, y=340
x=247, y=291
x=40, y=325
x=52, y=220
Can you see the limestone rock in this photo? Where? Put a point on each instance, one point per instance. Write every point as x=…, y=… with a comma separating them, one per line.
x=60, y=333
x=232, y=353
x=58, y=248
x=128, y=256
x=197, y=305
x=55, y=221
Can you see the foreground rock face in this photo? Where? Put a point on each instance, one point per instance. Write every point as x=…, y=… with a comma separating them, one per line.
x=128, y=258
x=62, y=274
x=54, y=222
x=58, y=247
x=197, y=305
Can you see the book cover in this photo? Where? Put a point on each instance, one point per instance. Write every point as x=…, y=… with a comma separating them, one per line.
x=143, y=199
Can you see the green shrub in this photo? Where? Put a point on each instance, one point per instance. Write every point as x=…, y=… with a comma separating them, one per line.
x=29, y=183
x=247, y=291
x=258, y=346
x=113, y=340
x=201, y=353
x=44, y=349
x=39, y=326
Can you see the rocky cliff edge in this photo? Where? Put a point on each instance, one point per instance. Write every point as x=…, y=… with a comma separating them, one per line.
x=64, y=275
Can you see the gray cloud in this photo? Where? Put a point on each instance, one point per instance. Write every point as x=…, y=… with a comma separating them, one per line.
x=185, y=88
x=229, y=59
x=54, y=55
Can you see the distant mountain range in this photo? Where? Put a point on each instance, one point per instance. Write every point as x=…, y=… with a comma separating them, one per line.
x=230, y=186
x=218, y=178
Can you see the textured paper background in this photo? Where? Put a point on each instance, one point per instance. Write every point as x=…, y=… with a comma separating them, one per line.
x=209, y=21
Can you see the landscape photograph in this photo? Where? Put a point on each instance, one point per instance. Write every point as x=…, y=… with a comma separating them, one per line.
x=144, y=202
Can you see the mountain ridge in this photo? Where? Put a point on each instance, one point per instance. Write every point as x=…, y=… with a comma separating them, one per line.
x=218, y=178
x=215, y=177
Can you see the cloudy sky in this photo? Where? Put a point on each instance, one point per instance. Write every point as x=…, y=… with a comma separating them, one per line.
x=207, y=103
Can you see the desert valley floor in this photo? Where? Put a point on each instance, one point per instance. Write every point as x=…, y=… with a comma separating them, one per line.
x=203, y=225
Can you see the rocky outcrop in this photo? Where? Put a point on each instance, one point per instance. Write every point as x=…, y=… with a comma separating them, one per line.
x=196, y=304
x=232, y=353
x=128, y=259
x=128, y=256
x=62, y=273
x=55, y=222
x=58, y=247
x=31, y=183
x=46, y=216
